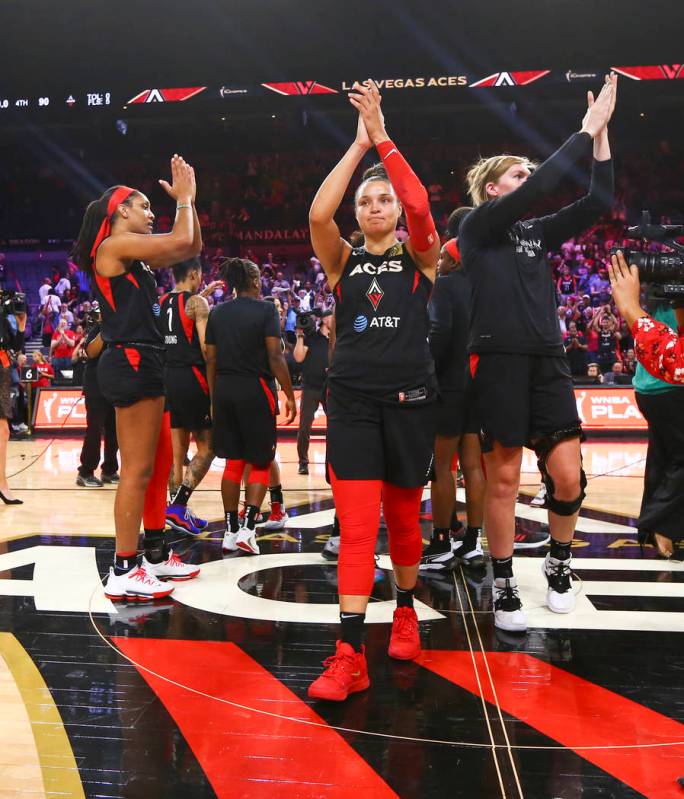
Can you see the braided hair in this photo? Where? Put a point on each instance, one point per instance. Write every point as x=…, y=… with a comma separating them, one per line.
x=94, y=214
x=239, y=274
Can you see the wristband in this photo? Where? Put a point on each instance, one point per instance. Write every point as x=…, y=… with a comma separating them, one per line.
x=183, y=205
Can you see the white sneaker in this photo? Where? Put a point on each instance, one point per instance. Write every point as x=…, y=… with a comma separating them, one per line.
x=246, y=541
x=137, y=585
x=508, y=612
x=540, y=500
x=560, y=597
x=229, y=542
x=172, y=568
x=276, y=519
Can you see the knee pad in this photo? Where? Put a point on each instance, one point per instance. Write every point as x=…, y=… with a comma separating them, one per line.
x=542, y=450
x=233, y=470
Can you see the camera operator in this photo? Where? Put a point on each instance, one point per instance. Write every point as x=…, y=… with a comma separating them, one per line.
x=311, y=350
x=12, y=327
x=100, y=415
x=658, y=382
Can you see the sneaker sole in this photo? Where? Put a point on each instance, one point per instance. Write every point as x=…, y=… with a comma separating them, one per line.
x=85, y=485
x=138, y=597
x=247, y=548
x=180, y=529
x=510, y=628
x=273, y=525
x=354, y=690
x=531, y=546
x=438, y=567
x=178, y=579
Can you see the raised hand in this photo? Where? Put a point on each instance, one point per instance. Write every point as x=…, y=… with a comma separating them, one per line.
x=600, y=110
x=182, y=187
x=362, y=137
x=366, y=99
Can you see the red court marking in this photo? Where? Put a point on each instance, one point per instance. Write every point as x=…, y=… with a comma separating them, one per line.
x=246, y=754
x=576, y=713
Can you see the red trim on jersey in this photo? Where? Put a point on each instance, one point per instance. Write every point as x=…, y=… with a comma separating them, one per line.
x=416, y=281
x=201, y=380
x=132, y=279
x=105, y=286
x=269, y=395
x=338, y=292
x=133, y=357
x=186, y=322
x=162, y=298
x=474, y=361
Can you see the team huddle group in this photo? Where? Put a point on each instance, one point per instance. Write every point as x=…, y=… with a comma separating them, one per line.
x=423, y=367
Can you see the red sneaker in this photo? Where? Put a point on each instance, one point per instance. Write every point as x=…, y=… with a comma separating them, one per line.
x=346, y=673
x=404, y=641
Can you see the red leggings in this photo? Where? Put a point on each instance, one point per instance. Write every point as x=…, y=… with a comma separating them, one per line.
x=357, y=503
x=154, y=511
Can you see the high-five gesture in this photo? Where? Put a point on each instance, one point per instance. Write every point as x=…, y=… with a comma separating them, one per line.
x=366, y=100
x=600, y=110
x=182, y=187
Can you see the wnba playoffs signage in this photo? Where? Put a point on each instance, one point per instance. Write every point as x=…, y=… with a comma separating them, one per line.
x=599, y=409
x=64, y=409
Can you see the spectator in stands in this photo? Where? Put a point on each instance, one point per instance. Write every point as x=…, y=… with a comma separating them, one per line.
x=44, y=290
x=616, y=376
x=605, y=325
x=62, y=347
x=593, y=376
x=566, y=283
x=63, y=286
x=65, y=313
x=44, y=369
x=576, y=350
x=629, y=362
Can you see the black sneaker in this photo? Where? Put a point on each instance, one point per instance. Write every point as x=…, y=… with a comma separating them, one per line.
x=527, y=539
x=110, y=478
x=89, y=481
x=437, y=556
x=473, y=557
x=303, y=468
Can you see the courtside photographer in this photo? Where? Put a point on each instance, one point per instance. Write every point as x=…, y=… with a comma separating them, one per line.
x=12, y=327
x=659, y=382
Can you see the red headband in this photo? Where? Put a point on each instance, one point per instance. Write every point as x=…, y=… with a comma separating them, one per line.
x=452, y=248
x=118, y=196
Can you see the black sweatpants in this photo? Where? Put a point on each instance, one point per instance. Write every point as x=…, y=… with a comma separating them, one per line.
x=662, y=506
x=310, y=400
x=101, y=417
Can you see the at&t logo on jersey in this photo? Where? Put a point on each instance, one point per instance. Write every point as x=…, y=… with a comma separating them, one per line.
x=156, y=309
x=360, y=323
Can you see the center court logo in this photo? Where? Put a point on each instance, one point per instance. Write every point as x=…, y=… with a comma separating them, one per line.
x=360, y=323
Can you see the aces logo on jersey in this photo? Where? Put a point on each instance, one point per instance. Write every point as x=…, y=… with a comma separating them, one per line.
x=375, y=294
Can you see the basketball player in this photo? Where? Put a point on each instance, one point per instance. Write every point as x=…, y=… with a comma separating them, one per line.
x=117, y=249
x=381, y=384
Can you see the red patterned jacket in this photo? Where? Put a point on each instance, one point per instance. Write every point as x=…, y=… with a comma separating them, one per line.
x=659, y=349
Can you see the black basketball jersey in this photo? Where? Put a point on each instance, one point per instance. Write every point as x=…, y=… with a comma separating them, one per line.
x=130, y=306
x=381, y=346
x=180, y=332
